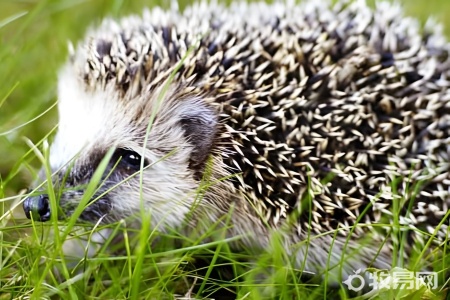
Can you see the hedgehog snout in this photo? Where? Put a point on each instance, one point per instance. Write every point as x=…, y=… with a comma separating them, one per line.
x=37, y=207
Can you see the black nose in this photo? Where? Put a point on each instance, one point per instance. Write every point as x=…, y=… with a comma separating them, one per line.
x=37, y=207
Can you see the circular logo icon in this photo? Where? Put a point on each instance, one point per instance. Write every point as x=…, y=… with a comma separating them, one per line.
x=353, y=280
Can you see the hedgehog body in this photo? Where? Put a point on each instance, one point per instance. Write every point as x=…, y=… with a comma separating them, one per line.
x=333, y=114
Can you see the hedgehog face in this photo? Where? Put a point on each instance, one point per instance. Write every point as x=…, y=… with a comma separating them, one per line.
x=92, y=121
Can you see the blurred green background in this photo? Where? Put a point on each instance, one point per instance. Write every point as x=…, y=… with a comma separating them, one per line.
x=33, y=45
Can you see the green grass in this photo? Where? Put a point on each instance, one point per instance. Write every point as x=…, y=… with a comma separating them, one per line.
x=33, y=40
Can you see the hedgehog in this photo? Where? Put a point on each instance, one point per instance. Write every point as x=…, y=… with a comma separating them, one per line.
x=312, y=121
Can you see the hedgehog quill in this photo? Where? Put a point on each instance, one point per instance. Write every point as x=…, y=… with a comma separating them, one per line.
x=303, y=115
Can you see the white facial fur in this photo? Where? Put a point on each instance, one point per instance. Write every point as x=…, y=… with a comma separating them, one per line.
x=93, y=121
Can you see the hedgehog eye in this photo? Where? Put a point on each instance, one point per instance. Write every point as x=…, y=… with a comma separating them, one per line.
x=130, y=158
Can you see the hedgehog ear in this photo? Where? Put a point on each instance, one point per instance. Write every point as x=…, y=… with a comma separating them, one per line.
x=199, y=126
